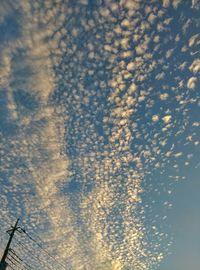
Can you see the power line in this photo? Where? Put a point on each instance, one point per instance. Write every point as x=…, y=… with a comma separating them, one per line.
x=17, y=256
x=16, y=260
x=15, y=264
x=44, y=250
x=10, y=266
x=42, y=263
x=7, y=251
x=11, y=232
x=14, y=256
x=35, y=259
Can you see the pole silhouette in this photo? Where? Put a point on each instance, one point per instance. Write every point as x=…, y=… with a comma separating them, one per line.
x=3, y=263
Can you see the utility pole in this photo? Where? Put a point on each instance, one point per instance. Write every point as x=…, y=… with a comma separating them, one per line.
x=3, y=264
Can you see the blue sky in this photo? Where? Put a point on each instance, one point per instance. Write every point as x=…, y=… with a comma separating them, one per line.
x=99, y=131
x=184, y=222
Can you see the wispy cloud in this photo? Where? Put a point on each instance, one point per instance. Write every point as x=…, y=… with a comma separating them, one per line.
x=104, y=96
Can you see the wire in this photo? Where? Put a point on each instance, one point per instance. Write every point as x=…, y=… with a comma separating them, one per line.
x=10, y=266
x=14, y=253
x=17, y=256
x=42, y=263
x=16, y=260
x=19, y=230
x=10, y=260
x=44, y=250
x=24, y=267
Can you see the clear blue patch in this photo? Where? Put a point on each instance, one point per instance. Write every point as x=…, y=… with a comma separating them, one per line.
x=6, y=126
x=25, y=99
x=10, y=28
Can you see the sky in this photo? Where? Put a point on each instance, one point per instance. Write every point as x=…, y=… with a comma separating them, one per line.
x=99, y=133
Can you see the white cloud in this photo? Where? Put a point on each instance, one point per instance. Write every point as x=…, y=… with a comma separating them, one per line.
x=193, y=40
x=167, y=119
x=195, y=67
x=155, y=118
x=166, y=3
x=164, y=96
x=176, y=3
x=45, y=132
x=192, y=82
x=131, y=66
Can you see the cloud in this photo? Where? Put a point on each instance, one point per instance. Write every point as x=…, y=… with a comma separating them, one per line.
x=155, y=118
x=193, y=40
x=77, y=160
x=167, y=118
x=176, y=3
x=195, y=67
x=195, y=4
x=164, y=96
x=191, y=84
x=166, y=3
